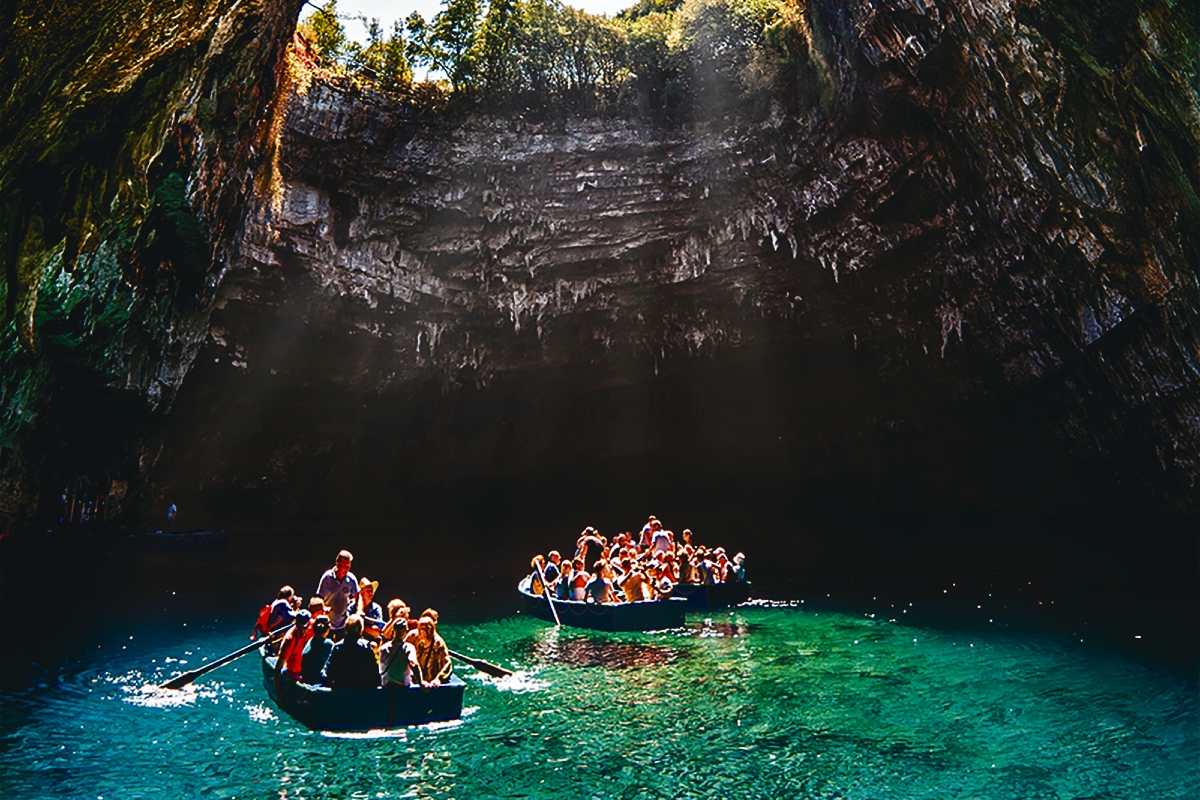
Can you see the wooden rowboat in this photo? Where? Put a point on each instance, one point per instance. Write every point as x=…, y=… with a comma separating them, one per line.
x=713, y=595
x=646, y=615
x=343, y=710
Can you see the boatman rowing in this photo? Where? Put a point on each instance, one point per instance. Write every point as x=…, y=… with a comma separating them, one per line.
x=339, y=590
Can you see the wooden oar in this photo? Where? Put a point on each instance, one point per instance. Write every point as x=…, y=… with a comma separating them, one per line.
x=483, y=666
x=546, y=591
x=179, y=681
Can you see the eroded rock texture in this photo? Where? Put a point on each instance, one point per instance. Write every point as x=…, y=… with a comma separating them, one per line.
x=129, y=135
x=962, y=269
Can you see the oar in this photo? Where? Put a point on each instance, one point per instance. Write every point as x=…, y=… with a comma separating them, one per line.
x=180, y=681
x=546, y=591
x=483, y=666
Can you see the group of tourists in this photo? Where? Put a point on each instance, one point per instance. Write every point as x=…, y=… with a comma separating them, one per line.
x=343, y=640
x=625, y=570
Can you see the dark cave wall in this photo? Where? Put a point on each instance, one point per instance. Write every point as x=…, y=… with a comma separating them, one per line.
x=963, y=276
x=960, y=271
x=129, y=139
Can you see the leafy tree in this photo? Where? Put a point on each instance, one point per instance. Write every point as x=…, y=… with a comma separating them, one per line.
x=651, y=59
x=540, y=49
x=384, y=61
x=328, y=35
x=450, y=43
x=416, y=50
x=497, y=42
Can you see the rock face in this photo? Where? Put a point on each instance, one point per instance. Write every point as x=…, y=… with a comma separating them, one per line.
x=963, y=270
x=129, y=136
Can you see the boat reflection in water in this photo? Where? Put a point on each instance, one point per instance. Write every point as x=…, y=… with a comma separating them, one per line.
x=602, y=652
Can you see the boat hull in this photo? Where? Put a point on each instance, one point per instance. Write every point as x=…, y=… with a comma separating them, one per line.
x=713, y=595
x=647, y=615
x=347, y=710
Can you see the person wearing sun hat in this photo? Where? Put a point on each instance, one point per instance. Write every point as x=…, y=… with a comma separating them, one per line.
x=368, y=609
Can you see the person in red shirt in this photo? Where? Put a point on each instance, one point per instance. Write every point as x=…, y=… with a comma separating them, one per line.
x=291, y=650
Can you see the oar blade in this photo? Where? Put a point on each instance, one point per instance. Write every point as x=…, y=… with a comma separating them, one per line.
x=180, y=681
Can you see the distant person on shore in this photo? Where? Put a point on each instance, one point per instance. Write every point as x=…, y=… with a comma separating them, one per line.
x=316, y=652
x=352, y=662
x=338, y=589
x=171, y=512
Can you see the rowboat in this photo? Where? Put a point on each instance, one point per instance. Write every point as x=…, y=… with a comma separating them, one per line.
x=713, y=595
x=644, y=615
x=344, y=710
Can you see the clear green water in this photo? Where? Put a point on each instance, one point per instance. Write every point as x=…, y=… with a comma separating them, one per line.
x=758, y=702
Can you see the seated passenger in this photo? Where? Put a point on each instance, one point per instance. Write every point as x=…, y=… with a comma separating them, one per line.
x=663, y=586
x=352, y=662
x=600, y=587
x=368, y=609
x=316, y=652
x=433, y=657
x=398, y=622
x=579, y=581
x=634, y=585
x=283, y=610
x=535, y=575
x=737, y=570
x=398, y=657
x=551, y=567
x=291, y=649
x=563, y=586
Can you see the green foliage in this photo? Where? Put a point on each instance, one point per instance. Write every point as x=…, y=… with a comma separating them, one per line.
x=656, y=56
x=451, y=41
x=383, y=62
x=498, y=72
x=328, y=35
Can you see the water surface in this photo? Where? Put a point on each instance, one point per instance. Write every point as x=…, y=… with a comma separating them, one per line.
x=771, y=700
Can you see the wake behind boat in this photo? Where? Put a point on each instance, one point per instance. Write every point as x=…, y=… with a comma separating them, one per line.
x=643, y=615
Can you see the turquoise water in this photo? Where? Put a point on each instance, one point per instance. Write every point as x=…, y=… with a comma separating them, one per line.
x=762, y=701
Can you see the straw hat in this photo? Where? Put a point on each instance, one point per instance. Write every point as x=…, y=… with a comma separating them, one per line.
x=364, y=583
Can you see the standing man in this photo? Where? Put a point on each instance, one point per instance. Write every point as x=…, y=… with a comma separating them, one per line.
x=339, y=591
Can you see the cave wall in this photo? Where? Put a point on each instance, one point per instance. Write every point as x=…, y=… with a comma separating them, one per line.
x=130, y=136
x=961, y=269
x=961, y=273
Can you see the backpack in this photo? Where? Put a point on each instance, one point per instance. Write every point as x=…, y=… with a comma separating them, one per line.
x=260, y=627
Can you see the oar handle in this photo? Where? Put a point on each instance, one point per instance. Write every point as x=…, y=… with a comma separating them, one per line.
x=179, y=681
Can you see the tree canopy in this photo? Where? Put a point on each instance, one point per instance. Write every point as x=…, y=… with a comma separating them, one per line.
x=662, y=57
